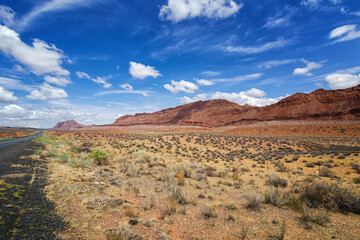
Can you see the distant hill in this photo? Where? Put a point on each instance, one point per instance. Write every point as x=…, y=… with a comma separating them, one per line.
x=68, y=125
x=321, y=104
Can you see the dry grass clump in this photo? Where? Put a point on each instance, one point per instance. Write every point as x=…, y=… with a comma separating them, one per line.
x=103, y=202
x=309, y=215
x=253, y=200
x=209, y=211
x=280, y=233
x=274, y=180
x=176, y=193
x=276, y=197
x=124, y=232
x=326, y=172
x=331, y=196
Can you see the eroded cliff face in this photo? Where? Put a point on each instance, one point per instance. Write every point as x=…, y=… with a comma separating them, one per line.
x=321, y=104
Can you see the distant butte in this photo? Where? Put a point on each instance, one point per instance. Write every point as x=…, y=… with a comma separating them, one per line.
x=321, y=104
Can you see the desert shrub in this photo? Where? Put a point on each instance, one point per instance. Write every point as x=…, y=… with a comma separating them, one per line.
x=280, y=233
x=274, y=180
x=356, y=180
x=99, y=156
x=326, y=172
x=209, y=212
x=310, y=165
x=231, y=206
x=124, y=232
x=253, y=200
x=276, y=197
x=331, y=196
x=170, y=207
x=176, y=193
x=312, y=216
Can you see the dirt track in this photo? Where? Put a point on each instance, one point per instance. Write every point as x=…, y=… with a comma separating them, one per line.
x=25, y=213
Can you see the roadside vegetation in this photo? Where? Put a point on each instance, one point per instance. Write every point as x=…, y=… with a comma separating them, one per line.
x=181, y=186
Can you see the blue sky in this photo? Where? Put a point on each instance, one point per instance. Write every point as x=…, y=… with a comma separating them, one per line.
x=95, y=60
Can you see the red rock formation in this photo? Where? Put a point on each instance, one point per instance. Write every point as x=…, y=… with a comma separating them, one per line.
x=68, y=125
x=321, y=104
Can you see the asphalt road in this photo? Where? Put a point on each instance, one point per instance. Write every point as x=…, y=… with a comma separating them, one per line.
x=25, y=212
x=5, y=143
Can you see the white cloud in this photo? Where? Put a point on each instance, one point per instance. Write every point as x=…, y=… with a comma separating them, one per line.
x=11, y=111
x=345, y=33
x=51, y=6
x=275, y=63
x=15, y=84
x=306, y=70
x=40, y=58
x=211, y=73
x=103, y=81
x=126, y=87
x=183, y=86
x=83, y=75
x=254, y=92
x=140, y=71
x=310, y=3
x=46, y=91
x=254, y=97
x=178, y=10
x=100, y=80
x=339, y=31
x=6, y=15
x=144, y=93
x=279, y=43
x=60, y=81
x=273, y=22
x=204, y=82
x=350, y=70
x=240, y=78
x=6, y=96
x=342, y=80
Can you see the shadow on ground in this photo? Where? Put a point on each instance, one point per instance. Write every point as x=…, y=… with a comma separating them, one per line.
x=25, y=212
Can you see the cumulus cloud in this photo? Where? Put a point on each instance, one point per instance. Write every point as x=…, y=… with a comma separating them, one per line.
x=40, y=58
x=279, y=43
x=345, y=33
x=342, y=80
x=99, y=80
x=6, y=96
x=46, y=91
x=306, y=70
x=58, y=80
x=181, y=86
x=11, y=111
x=126, y=87
x=254, y=97
x=178, y=10
x=204, y=82
x=211, y=73
x=7, y=15
x=140, y=71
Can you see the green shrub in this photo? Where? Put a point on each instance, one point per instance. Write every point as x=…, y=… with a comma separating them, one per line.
x=38, y=151
x=99, y=156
